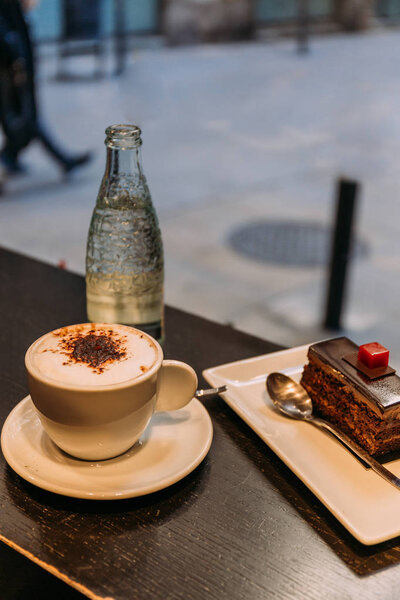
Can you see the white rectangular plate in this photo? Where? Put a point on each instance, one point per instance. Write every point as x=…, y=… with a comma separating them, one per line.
x=363, y=502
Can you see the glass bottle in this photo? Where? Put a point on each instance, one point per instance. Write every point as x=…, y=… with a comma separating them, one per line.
x=124, y=259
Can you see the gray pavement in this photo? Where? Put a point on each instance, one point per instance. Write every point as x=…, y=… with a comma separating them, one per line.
x=234, y=134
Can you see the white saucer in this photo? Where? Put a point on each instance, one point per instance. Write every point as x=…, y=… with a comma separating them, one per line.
x=172, y=446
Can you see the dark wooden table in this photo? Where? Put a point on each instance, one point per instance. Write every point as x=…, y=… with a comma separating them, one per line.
x=240, y=527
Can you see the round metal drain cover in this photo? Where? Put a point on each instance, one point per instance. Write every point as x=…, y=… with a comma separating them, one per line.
x=294, y=243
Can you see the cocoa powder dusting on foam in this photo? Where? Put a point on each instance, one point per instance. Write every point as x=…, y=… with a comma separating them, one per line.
x=96, y=348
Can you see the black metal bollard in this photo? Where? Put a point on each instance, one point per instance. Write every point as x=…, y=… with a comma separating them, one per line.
x=303, y=22
x=347, y=191
x=120, y=42
x=80, y=33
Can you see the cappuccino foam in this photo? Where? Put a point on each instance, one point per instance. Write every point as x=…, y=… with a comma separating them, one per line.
x=93, y=354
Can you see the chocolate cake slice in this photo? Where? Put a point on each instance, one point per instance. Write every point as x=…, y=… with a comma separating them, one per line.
x=365, y=406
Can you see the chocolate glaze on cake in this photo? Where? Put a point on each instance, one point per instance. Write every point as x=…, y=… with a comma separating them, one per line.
x=366, y=409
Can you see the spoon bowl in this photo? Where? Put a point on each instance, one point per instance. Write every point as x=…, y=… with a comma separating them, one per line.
x=289, y=396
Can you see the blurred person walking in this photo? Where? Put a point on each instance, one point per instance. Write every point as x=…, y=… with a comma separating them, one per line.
x=19, y=115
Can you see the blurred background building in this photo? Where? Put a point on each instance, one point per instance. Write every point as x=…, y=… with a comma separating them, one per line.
x=251, y=111
x=184, y=21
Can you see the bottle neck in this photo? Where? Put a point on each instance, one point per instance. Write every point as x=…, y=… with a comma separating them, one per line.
x=125, y=162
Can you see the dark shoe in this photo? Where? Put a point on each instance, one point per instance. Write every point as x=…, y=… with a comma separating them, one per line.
x=11, y=165
x=69, y=164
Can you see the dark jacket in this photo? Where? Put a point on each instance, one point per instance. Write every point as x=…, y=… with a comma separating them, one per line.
x=18, y=113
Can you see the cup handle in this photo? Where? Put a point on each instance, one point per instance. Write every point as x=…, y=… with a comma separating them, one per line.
x=176, y=385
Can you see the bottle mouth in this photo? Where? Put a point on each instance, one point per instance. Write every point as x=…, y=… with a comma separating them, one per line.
x=123, y=136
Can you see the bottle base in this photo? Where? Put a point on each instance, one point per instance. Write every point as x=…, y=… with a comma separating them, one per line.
x=105, y=310
x=153, y=329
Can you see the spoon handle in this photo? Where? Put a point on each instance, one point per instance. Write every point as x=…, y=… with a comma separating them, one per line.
x=360, y=452
x=210, y=392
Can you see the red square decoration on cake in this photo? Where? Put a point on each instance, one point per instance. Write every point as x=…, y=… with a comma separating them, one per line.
x=373, y=355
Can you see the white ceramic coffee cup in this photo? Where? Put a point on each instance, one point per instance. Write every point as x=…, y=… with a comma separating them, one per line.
x=97, y=422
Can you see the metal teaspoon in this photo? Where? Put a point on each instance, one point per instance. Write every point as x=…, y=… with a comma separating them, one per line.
x=292, y=399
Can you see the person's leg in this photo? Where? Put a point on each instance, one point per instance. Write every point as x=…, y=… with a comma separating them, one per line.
x=68, y=162
x=16, y=130
x=9, y=160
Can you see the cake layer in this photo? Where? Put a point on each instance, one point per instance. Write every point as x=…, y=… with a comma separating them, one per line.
x=382, y=395
x=367, y=410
